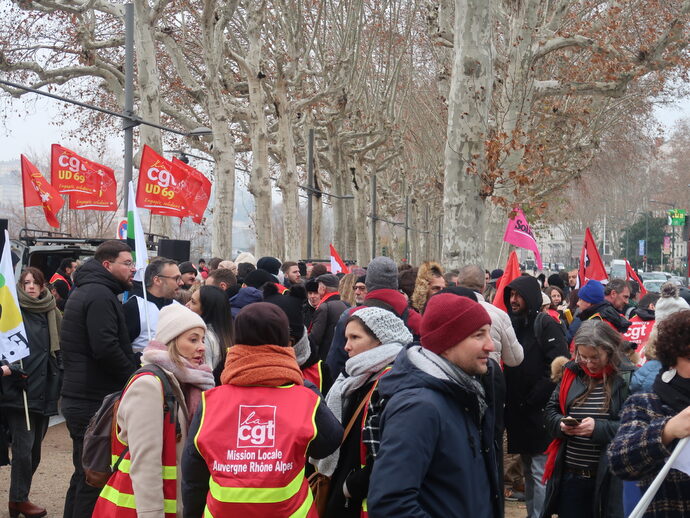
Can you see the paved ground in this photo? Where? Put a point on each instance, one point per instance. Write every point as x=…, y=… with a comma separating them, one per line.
x=52, y=478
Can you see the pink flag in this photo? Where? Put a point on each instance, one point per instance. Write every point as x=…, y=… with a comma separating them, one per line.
x=519, y=233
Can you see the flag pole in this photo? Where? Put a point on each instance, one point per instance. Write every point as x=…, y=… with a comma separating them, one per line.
x=25, y=217
x=498, y=262
x=26, y=403
x=649, y=495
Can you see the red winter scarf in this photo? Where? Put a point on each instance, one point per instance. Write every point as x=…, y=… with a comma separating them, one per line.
x=566, y=382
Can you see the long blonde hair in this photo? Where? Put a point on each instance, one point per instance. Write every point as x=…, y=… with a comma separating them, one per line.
x=347, y=288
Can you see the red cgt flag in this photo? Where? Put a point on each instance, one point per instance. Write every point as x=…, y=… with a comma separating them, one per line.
x=196, y=189
x=160, y=185
x=38, y=192
x=511, y=272
x=104, y=198
x=591, y=265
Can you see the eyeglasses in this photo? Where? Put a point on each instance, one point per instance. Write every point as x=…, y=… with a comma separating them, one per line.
x=177, y=278
x=128, y=264
x=582, y=359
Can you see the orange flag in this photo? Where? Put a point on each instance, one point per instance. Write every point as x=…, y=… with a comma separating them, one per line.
x=38, y=192
x=511, y=272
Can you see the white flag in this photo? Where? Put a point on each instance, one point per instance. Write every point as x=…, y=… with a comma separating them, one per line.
x=13, y=343
x=136, y=233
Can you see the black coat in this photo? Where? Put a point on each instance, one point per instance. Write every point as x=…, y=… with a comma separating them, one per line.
x=95, y=345
x=323, y=324
x=529, y=384
x=41, y=366
x=608, y=493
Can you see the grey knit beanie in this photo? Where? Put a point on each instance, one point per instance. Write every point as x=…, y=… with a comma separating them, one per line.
x=381, y=274
x=387, y=327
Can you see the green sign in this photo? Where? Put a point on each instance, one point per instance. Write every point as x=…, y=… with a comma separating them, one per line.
x=677, y=217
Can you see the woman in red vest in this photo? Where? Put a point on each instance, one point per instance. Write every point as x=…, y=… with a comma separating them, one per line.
x=374, y=336
x=249, y=441
x=583, y=417
x=152, y=424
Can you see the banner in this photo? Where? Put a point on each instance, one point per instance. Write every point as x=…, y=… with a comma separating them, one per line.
x=511, y=272
x=13, y=343
x=519, y=233
x=337, y=264
x=196, y=190
x=160, y=184
x=103, y=198
x=591, y=265
x=38, y=192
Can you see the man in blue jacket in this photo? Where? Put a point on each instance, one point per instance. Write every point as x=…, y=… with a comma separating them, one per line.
x=437, y=456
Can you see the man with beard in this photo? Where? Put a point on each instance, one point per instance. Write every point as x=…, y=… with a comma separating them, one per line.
x=96, y=352
x=529, y=386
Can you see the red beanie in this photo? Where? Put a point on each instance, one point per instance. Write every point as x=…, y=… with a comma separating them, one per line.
x=448, y=319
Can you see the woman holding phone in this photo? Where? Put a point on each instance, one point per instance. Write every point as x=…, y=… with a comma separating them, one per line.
x=583, y=417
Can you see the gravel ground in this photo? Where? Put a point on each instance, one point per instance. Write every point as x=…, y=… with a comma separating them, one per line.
x=52, y=478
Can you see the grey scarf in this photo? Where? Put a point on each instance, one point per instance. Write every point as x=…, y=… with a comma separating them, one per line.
x=438, y=367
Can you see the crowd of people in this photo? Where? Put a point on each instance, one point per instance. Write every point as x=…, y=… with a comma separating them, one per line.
x=265, y=388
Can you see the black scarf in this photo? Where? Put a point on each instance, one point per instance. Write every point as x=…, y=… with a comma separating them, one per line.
x=675, y=393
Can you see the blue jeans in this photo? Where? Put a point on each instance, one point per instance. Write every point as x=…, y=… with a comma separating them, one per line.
x=576, y=496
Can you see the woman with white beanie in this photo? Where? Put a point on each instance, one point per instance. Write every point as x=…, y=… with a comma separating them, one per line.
x=153, y=417
x=374, y=339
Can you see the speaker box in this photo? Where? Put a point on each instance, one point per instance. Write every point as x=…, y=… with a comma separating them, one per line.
x=176, y=249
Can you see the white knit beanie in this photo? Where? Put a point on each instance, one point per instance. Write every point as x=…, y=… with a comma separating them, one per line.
x=175, y=319
x=387, y=327
x=245, y=257
x=669, y=302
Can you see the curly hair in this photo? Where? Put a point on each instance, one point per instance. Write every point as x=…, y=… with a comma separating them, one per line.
x=346, y=288
x=427, y=270
x=673, y=338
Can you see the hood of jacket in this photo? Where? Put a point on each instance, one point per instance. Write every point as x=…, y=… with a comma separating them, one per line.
x=406, y=375
x=608, y=313
x=245, y=297
x=528, y=287
x=93, y=272
x=645, y=314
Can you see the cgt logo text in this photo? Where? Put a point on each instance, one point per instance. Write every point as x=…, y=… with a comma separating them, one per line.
x=256, y=426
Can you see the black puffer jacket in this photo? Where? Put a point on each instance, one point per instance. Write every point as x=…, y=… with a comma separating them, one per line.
x=95, y=345
x=529, y=385
x=41, y=366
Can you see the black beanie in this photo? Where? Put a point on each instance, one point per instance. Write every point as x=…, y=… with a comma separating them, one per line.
x=269, y=264
x=291, y=303
x=555, y=280
x=258, y=278
x=262, y=323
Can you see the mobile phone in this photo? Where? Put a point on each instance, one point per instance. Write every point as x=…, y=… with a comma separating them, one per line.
x=570, y=421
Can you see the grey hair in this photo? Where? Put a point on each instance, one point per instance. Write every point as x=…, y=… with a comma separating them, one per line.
x=600, y=335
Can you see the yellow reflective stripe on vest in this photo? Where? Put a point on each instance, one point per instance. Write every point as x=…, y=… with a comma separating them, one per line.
x=301, y=512
x=125, y=500
x=256, y=495
x=169, y=472
x=364, y=506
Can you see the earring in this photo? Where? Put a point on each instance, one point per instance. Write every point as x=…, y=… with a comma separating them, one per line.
x=668, y=375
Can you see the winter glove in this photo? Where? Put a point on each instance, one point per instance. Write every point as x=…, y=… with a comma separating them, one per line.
x=20, y=377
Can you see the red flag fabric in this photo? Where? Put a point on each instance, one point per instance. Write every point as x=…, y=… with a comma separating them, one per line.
x=70, y=173
x=103, y=198
x=337, y=264
x=38, y=192
x=196, y=188
x=591, y=265
x=631, y=274
x=511, y=272
x=160, y=184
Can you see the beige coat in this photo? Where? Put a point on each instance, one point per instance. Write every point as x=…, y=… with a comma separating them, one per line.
x=506, y=345
x=140, y=418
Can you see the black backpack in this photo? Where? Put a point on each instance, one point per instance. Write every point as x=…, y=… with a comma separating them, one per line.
x=96, y=455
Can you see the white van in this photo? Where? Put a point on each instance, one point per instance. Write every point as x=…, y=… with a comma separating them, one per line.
x=618, y=269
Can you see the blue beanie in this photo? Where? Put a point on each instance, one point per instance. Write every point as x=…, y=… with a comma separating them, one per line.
x=592, y=292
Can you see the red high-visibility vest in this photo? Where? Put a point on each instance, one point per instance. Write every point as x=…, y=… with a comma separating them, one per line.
x=254, y=441
x=364, y=513
x=314, y=374
x=56, y=276
x=117, y=499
